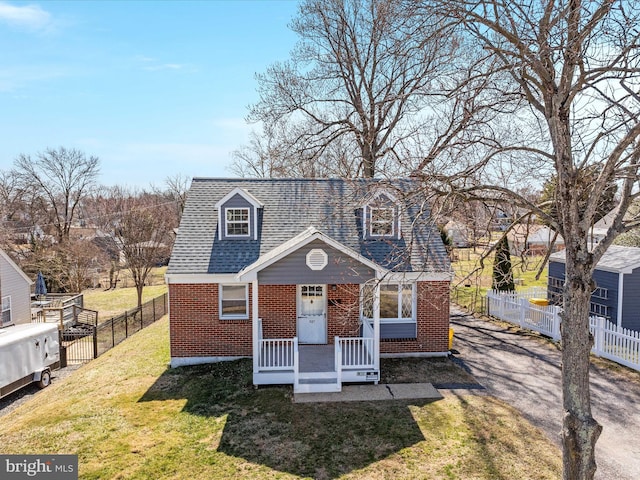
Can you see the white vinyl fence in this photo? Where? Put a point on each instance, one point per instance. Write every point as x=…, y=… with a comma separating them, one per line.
x=610, y=341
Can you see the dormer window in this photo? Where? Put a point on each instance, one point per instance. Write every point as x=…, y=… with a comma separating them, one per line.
x=237, y=222
x=381, y=222
x=238, y=213
x=381, y=216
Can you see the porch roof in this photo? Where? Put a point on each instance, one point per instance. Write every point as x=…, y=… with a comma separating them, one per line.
x=309, y=235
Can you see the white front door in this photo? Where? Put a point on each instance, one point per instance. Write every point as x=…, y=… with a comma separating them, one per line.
x=312, y=314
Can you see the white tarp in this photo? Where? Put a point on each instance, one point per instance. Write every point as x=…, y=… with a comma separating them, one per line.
x=27, y=348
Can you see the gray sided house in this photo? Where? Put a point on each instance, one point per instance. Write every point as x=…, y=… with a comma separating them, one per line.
x=617, y=278
x=314, y=279
x=15, y=293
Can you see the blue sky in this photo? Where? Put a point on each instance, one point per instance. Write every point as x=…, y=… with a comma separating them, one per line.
x=153, y=88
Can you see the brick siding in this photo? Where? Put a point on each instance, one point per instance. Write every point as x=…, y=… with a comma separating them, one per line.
x=432, y=322
x=277, y=310
x=196, y=329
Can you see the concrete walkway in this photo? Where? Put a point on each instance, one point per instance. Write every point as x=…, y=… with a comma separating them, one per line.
x=370, y=392
x=524, y=371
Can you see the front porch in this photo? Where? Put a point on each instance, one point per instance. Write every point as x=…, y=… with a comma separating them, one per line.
x=317, y=368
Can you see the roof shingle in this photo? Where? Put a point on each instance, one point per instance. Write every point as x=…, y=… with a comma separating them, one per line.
x=333, y=206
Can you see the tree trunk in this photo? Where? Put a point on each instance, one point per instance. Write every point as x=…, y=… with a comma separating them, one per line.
x=139, y=287
x=580, y=430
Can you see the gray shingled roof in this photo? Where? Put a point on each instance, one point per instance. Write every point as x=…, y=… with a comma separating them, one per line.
x=617, y=258
x=333, y=206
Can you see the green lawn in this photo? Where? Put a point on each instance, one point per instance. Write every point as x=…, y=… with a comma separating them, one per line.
x=129, y=417
x=473, y=276
x=110, y=303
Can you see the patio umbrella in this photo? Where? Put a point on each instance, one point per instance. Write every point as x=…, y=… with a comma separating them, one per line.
x=41, y=287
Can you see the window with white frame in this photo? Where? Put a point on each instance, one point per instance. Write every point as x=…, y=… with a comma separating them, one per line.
x=600, y=292
x=237, y=222
x=381, y=223
x=600, y=310
x=396, y=302
x=234, y=301
x=6, y=310
x=555, y=288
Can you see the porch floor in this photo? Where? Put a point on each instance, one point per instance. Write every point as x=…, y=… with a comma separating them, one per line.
x=317, y=358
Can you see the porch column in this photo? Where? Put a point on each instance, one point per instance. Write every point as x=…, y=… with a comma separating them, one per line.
x=376, y=324
x=255, y=325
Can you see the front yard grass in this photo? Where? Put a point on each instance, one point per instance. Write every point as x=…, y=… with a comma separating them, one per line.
x=128, y=416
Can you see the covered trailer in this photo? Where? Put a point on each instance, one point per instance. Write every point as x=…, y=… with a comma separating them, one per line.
x=28, y=352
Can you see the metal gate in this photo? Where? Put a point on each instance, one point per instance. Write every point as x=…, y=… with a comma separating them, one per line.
x=78, y=344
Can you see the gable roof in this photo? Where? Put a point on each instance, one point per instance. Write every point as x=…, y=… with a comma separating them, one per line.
x=306, y=237
x=617, y=258
x=13, y=265
x=533, y=234
x=244, y=194
x=290, y=207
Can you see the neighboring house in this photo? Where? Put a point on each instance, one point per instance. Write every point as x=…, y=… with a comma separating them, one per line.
x=15, y=293
x=533, y=239
x=617, y=279
x=461, y=236
x=313, y=279
x=601, y=227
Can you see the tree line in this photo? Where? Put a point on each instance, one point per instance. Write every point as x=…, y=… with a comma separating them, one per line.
x=56, y=219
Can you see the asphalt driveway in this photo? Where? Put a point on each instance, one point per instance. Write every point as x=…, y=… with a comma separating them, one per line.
x=524, y=371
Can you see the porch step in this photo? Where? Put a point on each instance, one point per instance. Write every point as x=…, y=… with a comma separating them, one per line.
x=317, y=382
x=329, y=386
x=317, y=375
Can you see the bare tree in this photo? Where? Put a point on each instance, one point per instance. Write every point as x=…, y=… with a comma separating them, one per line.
x=268, y=156
x=576, y=67
x=11, y=204
x=360, y=69
x=177, y=187
x=142, y=226
x=57, y=180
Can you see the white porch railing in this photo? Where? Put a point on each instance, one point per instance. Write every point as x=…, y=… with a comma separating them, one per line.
x=358, y=352
x=610, y=341
x=296, y=362
x=338, y=360
x=276, y=353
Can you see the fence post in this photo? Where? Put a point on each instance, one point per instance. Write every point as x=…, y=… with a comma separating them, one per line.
x=95, y=342
x=113, y=334
x=524, y=307
x=153, y=307
x=598, y=338
x=141, y=319
x=556, y=322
